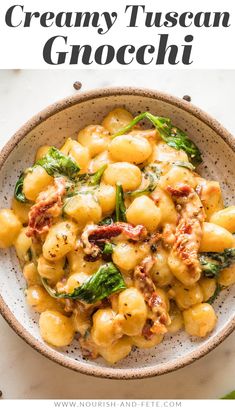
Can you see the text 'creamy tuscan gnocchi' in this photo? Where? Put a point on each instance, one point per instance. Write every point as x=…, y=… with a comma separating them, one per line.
x=119, y=239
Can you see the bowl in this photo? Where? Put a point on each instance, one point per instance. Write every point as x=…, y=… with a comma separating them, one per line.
x=64, y=119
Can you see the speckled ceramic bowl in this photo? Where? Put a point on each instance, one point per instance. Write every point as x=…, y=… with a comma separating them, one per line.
x=52, y=126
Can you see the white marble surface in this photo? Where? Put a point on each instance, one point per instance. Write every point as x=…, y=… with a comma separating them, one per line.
x=24, y=373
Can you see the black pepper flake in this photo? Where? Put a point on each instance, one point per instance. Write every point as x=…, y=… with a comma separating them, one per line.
x=187, y=98
x=77, y=85
x=153, y=247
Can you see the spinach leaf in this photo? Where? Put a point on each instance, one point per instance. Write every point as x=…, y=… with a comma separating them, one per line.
x=152, y=173
x=213, y=297
x=108, y=220
x=89, y=180
x=213, y=262
x=229, y=396
x=96, y=177
x=29, y=255
x=104, y=282
x=120, y=204
x=108, y=248
x=18, y=192
x=172, y=135
x=56, y=163
x=184, y=164
x=210, y=267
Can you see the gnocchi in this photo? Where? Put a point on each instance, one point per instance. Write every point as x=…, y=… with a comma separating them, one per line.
x=36, y=180
x=83, y=208
x=55, y=328
x=51, y=270
x=60, y=240
x=128, y=175
x=10, y=227
x=199, y=320
x=211, y=197
x=116, y=351
x=161, y=273
x=225, y=218
x=208, y=288
x=177, y=175
x=130, y=148
x=105, y=330
x=132, y=312
x=21, y=210
x=116, y=119
x=78, y=263
x=187, y=297
x=99, y=161
x=227, y=276
x=143, y=343
x=136, y=213
x=127, y=255
x=95, y=138
x=177, y=322
x=39, y=300
x=163, y=152
x=23, y=246
x=106, y=195
x=31, y=274
x=215, y=238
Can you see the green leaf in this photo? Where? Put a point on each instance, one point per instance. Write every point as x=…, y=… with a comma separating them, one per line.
x=56, y=163
x=172, y=135
x=229, y=396
x=89, y=180
x=29, y=255
x=106, y=221
x=216, y=293
x=179, y=140
x=152, y=173
x=213, y=262
x=184, y=164
x=226, y=258
x=106, y=281
x=96, y=177
x=108, y=248
x=209, y=267
x=120, y=205
x=92, y=179
x=18, y=192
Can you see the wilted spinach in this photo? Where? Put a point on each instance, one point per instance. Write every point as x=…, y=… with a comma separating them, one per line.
x=173, y=136
x=106, y=281
x=120, y=210
x=213, y=262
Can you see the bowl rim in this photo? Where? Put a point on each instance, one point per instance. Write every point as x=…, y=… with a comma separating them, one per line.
x=40, y=346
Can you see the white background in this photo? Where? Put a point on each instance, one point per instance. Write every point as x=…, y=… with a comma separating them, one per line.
x=22, y=47
x=24, y=373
